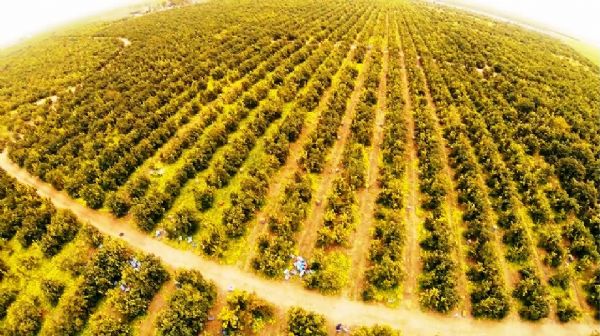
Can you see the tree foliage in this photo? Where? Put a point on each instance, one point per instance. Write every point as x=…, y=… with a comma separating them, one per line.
x=244, y=312
x=187, y=307
x=303, y=323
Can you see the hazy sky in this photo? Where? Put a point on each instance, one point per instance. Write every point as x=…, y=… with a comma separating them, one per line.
x=576, y=18
x=22, y=18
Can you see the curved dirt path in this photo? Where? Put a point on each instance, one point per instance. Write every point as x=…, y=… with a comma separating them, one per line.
x=285, y=294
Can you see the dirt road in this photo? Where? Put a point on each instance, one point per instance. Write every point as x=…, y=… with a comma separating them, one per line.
x=285, y=295
x=367, y=197
x=413, y=263
x=158, y=302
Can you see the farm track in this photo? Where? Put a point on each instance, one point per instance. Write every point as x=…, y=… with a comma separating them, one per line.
x=368, y=196
x=285, y=295
x=158, y=302
x=214, y=327
x=412, y=197
x=543, y=272
x=125, y=41
x=308, y=236
x=581, y=300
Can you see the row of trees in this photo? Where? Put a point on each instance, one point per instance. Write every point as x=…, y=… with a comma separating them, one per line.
x=505, y=198
x=489, y=298
x=187, y=308
x=28, y=79
x=252, y=194
x=96, y=270
x=330, y=269
x=438, y=280
x=102, y=270
x=22, y=308
x=31, y=219
x=362, y=124
x=254, y=183
x=323, y=137
x=141, y=284
x=277, y=142
x=297, y=67
x=274, y=248
x=101, y=274
x=339, y=219
x=385, y=271
x=149, y=108
x=198, y=158
x=131, y=298
x=112, y=166
x=529, y=181
x=559, y=123
x=215, y=112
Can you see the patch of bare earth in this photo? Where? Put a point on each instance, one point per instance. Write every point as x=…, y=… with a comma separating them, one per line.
x=213, y=325
x=158, y=302
x=125, y=41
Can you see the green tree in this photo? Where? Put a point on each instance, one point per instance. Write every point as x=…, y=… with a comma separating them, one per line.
x=243, y=313
x=24, y=317
x=303, y=323
x=7, y=297
x=183, y=223
x=118, y=203
x=204, y=198
x=376, y=330
x=62, y=229
x=106, y=325
x=53, y=289
x=93, y=195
